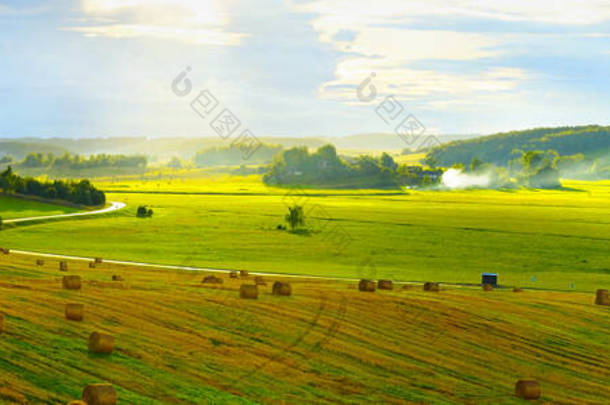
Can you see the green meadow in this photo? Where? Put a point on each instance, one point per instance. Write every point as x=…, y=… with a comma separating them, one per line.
x=552, y=239
x=19, y=208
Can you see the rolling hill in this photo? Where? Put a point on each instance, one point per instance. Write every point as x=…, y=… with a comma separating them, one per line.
x=591, y=141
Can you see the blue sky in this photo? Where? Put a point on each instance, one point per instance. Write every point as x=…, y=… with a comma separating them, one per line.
x=291, y=68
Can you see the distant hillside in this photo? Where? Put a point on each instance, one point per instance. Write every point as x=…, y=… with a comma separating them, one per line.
x=591, y=141
x=185, y=148
x=382, y=141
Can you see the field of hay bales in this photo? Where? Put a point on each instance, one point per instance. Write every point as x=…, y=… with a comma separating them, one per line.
x=178, y=340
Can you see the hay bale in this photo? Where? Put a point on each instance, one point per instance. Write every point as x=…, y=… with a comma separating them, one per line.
x=407, y=287
x=5, y=251
x=75, y=312
x=488, y=287
x=212, y=280
x=602, y=298
x=233, y=274
x=243, y=273
x=1, y=323
x=517, y=289
x=366, y=285
x=63, y=266
x=99, y=394
x=431, y=286
x=385, y=285
x=77, y=402
x=249, y=291
x=259, y=280
x=92, y=265
x=71, y=282
x=117, y=277
x=39, y=262
x=98, y=260
x=101, y=343
x=281, y=288
x=527, y=389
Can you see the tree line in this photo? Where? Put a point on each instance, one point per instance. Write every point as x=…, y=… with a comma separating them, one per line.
x=325, y=168
x=77, y=162
x=233, y=155
x=77, y=192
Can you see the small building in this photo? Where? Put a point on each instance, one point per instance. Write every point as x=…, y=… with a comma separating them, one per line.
x=489, y=278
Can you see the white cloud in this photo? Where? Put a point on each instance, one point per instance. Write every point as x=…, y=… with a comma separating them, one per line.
x=379, y=41
x=189, y=21
x=568, y=12
x=411, y=84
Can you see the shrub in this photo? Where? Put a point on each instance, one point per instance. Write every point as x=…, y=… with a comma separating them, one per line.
x=144, y=212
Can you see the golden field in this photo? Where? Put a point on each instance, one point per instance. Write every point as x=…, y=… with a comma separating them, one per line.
x=181, y=341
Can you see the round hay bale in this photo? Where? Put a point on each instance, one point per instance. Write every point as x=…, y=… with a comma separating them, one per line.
x=385, y=285
x=5, y=251
x=99, y=394
x=77, y=402
x=602, y=297
x=259, y=280
x=63, y=266
x=527, y=389
x=517, y=289
x=366, y=285
x=488, y=287
x=1, y=323
x=233, y=274
x=249, y=291
x=117, y=277
x=212, y=280
x=71, y=282
x=243, y=273
x=75, y=312
x=92, y=265
x=431, y=286
x=281, y=288
x=98, y=260
x=39, y=262
x=101, y=343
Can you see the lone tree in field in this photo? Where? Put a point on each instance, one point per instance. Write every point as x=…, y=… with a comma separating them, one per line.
x=295, y=217
x=143, y=212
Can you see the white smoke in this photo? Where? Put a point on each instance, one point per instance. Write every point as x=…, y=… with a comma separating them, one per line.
x=455, y=178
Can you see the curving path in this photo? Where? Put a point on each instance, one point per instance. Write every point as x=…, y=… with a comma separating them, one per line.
x=114, y=206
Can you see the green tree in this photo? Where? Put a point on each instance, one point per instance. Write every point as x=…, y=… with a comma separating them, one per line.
x=386, y=161
x=475, y=164
x=295, y=217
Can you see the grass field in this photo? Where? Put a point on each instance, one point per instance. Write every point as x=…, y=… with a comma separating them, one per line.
x=178, y=341
x=540, y=239
x=18, y=208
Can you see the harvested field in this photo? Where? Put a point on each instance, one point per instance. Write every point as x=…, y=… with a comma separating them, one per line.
x=177, y=341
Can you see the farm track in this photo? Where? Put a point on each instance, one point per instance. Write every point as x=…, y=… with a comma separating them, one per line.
x=254, y=273
x=114, y=206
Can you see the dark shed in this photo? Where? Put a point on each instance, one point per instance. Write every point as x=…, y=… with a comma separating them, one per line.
x=490, y=278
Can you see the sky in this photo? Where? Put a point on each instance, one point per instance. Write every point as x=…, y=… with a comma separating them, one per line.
x=94, y=68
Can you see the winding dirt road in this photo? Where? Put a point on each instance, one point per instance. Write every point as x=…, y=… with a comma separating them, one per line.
x=114, y=206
